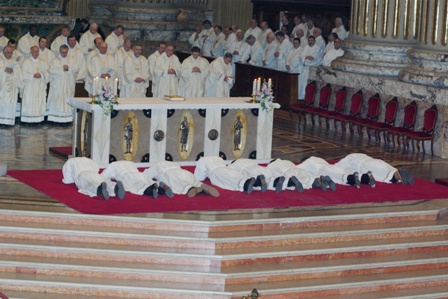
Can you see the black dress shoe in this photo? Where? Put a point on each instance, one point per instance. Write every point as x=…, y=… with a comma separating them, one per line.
x=119, y=190
x=249, y=185
x=102, y=190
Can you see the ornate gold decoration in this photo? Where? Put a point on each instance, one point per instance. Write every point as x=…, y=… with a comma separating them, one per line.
x=444, y=39
x=238, y=134
x=365, y=18
x=385, y=18
x=396, y=19
x=129, y=136
x=374, y=17
x=185, y=134
x=425, y=23
x=435, y=22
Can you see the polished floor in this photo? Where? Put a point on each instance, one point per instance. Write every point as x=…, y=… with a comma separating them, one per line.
x=27, y=147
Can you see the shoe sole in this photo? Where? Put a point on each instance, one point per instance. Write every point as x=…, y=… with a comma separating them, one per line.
x=209, y=190
x=279, y=186
x=119, y=190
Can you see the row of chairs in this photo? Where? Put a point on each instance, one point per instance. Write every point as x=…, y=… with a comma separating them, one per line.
x=404, y=133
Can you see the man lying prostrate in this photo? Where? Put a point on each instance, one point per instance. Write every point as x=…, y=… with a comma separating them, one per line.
x=135, y=181
x=84, y=173
x=181, y=181
x=297, y=178
x=224, y=177
x=381, y=170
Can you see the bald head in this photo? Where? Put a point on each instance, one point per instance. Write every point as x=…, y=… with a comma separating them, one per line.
x=93, y=28
x=102, y=47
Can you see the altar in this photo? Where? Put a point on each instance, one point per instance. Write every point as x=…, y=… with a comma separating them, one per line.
x=146, y=130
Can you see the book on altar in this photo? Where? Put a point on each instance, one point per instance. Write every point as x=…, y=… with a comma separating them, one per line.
x=174, y=98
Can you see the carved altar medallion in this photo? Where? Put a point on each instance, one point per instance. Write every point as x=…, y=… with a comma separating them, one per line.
x=238, y=134
x=129, y=136
x=185, y=134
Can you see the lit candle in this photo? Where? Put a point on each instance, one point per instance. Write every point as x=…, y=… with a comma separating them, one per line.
x=106, y=81
x=116, y=86
x=259, y=84
x=269, y=83
x=95, y=85
x=254, y=86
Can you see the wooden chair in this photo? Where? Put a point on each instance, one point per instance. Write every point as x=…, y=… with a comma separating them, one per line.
x=324, y=100
x=410, y=115
x=427, y=133
x=389, y=120
x=341, y=95
x=355, y=111
x=310, y=93
x=373, y=108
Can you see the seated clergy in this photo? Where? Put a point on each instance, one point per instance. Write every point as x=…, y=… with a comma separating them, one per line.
x=332, y=54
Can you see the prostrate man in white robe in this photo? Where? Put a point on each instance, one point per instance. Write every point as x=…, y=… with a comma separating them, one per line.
x=135, y=74
x=60, y=40
x=10, y=81
x=222, y=176
x=34, y=87
x=195, y=70
x=76, y=53
x=294, y=63
x=87, y=39
x=218, y=43
x=27, y=41
x=3, y=39
x=207, y=36
x=84, y=173
x=256, y=51
x=63, y=73
x=269, y=60
x=333, y=53
x=102, y=66
x=195, y=39
x=265, y=30
x=45, y=53
x=310, y=57
x=340, y=29
x=239, y=49
x=181, y=181
x=220, y=80
x=253, y=30
x=284, y=47
x=120, y=56
x=161, y=47
x=167, y=72
x=115, y=40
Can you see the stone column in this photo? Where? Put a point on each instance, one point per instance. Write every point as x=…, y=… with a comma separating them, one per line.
x=380, y=34
x=429, y=57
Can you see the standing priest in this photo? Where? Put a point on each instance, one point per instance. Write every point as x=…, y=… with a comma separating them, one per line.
x=167, y=73
x=101, y=66
x=135, y=74
x=10, y=81
x=220, y=80
x=194, y=74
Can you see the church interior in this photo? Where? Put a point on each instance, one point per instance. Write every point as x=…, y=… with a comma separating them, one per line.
x=368, y=249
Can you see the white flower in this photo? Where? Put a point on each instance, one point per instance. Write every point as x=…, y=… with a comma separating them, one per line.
x=105, y=99
x=266, y=99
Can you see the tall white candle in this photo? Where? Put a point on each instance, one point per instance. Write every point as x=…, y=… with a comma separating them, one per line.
x=95, y=85
x=116, y=86
x=106, y=81
x=254, y=86
x=269, y=83
x=258, y=84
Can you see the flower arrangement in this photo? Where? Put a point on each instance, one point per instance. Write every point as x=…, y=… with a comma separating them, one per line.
x=105, y=98
x=265, y=98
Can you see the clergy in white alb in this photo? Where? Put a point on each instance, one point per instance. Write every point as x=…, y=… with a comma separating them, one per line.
x=88, y=80
x=309, y=28
x=102, y=66
x=311, y=56
x=34, y=88
x=120, y=56
x=294, y=63
x=63, y=72
x=27, y=41
x=239, y=49
x=229, y=38
x=299, y=24
x=269, y=60
x=218, y=44
x=220, y=80
x=161, y=47
x=3, y=39
x=16, y=53
x=195, y=70
x=10, y=81
x=340, y=29
x=284, y=46
x=87, y=39
x=253, y=30
x=115, y=40
x=256, y=51
x=60, y=40
x=265, y=30
x=44, y=53
x=330, y=44
x=76, y=53
x=135, y=74
x=167, y=72
x=333, y=53
x=207, y=36
x=195, y=39
x=289, y=170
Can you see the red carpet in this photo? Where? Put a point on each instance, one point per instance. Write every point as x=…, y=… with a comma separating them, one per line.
x=63, y=151
x=50, y=183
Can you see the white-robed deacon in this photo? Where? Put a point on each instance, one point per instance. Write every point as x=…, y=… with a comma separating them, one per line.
x=60, y=40
x=207, y=36
x=219, y=42
x=34, y=87
x=239, y=49
x=265, y=30
x=63, y=73
x=332, y=54
x=294, y=63
x=195, y=39
x=253, y=30
x=87, y=39
x=115, y=40
x=27, y=41
x=102, y=66
x=161, y=47
x=45, y=53
x=135, y=74
x=340, y=29
x=283, y=49
x=3, y=39
x=167, y=72
x=269, y=60
x=220, y=80
x=256, y=51
x=88, y=80
x=76, y=53
x=10, y=81
x=16, y=53
x=181, y=181
x=120, y=56
x=195, y=70
x=310, y=56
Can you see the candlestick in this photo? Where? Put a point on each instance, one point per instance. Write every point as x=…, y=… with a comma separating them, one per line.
x=115, y=86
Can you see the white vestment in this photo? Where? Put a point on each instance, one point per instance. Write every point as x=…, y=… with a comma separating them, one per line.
x=207, y=42
x=87, y=41
x=114, y=43
x=243, y=50
x=297, y=27
x=46, y=55
x=283, y=49
x=195, y=40
x=309, y=31
x=34, y=90
x=120, y=56
x=332, y=55
x=17, y=56
x=57, y=43
x=228, y=42
x=219, y=174
x=318, y=166
x=133, y=68
x=268, y=55
x=328, y=47
x=218, y=45
x=25, y=43
x=341, y=32
x=313, y=51
x=76, y=53
x=179, y=180
x=88, y=80
x=294, y=60
x=303, y=41
x=288, y=169
x=250, y=168
x=84, y=173
x=361, y=163
x=62, y=88
x=256, y=32
x=126, y=172
x=9, y=89
x=192, y=84
x=215, y=86
x=152, y=67
x=100, y=64
x=167, y=84
x=262, y=38
x=3, y=42
x=256, y=54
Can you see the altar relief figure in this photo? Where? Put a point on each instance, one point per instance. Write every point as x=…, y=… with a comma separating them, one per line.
x=238, y=133
x=129, y=136
x=185, y=135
